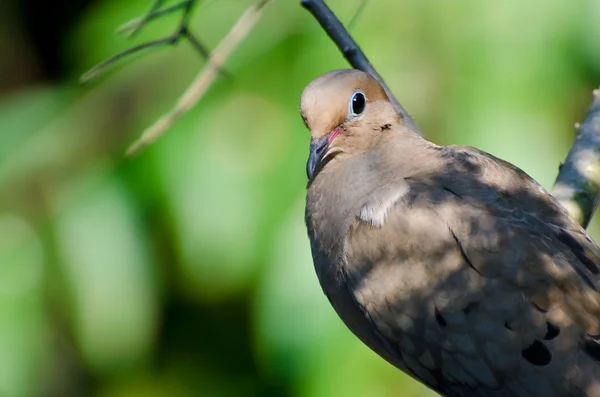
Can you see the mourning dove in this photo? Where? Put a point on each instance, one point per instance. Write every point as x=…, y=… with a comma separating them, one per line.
x=451, y=264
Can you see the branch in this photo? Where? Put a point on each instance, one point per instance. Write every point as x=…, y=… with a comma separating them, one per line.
x=136, y=25
x=100, y=68
x=204, y=79
x=351, y=51
x=577, y=186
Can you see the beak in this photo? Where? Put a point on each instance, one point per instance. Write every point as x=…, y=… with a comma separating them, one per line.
x=318, y=149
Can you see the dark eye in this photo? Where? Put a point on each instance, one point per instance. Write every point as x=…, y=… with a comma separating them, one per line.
x=357, y=103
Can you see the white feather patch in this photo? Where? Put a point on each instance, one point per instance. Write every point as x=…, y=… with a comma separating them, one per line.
x=375, y=211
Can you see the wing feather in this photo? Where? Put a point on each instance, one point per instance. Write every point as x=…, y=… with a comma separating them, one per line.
x=470, y=287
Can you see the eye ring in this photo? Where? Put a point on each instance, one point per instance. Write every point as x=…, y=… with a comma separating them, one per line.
x=357, y=104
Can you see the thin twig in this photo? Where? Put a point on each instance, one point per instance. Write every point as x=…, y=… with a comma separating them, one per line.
x=201, y=49
x=203, y=80
x=196, y=43
x=577, y=186
x=187, y=13
x=351, y=51
x=149, y=16
x=357, y=14
x=137, y=24
x=138, y=49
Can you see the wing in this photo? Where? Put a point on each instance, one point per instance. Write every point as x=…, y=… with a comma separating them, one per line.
x=480, y=290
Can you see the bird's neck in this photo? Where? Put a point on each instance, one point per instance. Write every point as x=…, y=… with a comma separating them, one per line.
x=347, y=182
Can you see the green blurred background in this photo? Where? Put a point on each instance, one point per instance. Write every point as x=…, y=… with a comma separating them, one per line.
x=186, y=271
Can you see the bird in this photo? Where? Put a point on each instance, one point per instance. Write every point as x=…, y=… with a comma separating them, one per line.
x=451, y=264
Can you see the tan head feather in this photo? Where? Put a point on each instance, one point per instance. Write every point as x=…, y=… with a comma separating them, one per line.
x=324, y=102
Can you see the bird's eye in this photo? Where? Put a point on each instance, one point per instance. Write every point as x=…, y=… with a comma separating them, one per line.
x=357, y=104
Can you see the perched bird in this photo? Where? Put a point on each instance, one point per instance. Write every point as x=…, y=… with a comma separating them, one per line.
x=451, y=264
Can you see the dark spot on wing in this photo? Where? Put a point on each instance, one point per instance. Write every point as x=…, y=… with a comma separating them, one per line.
x=552, y=331
x=438, y=317
x=537, y=354
x=462, y=252
x=451, y=191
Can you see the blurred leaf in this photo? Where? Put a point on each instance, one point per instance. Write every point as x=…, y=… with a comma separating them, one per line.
x=294, y=320
x=23, y=328
x=25, y=113
x=210, y=176
x=109, y=275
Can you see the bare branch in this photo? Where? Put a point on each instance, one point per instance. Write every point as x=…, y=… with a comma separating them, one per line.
x=103, y=66
x=577, y=186
x=138, y=24
x=135, y=25
x=205, y=78
x=351, y=51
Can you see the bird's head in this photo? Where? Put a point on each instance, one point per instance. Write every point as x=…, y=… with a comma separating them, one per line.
x=346, y=112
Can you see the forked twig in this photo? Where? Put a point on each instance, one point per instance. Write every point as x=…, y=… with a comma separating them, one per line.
x=136, y=25
x=204, y=78
x=102, y=67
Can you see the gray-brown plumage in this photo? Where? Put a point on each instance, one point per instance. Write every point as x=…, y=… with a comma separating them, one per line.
x=453, y=265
